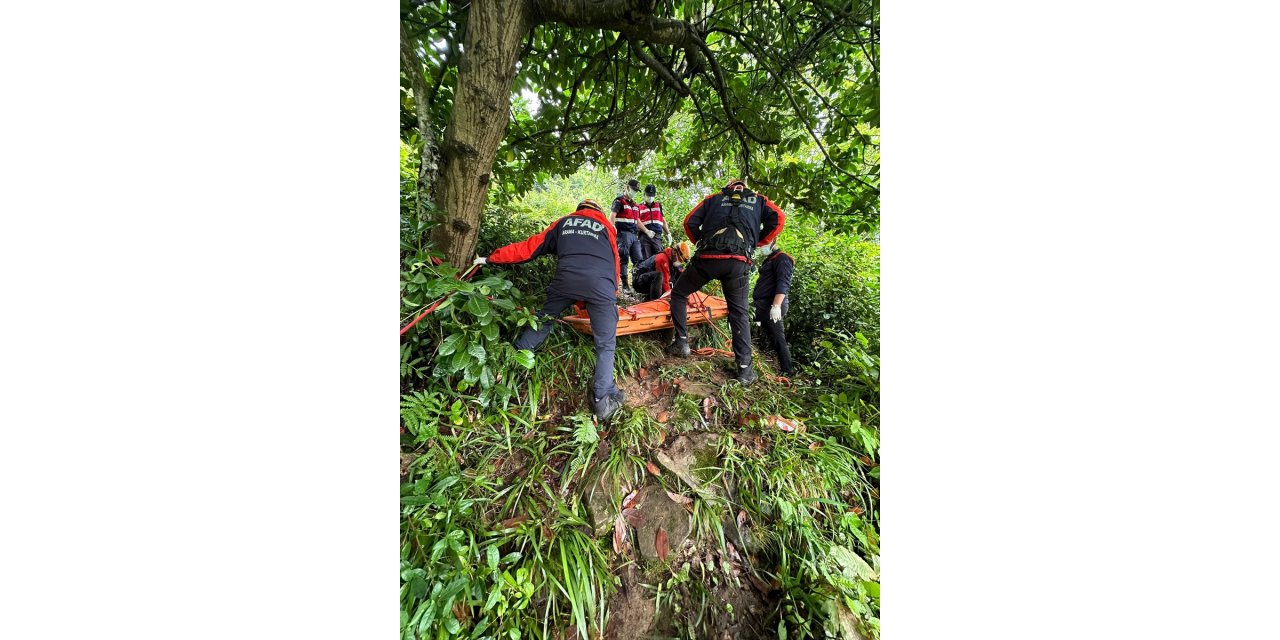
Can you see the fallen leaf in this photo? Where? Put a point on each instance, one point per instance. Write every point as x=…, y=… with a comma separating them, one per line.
x=857, y=511
x=707, y=403
x=661, y=543
x=546, y=533
x=664, y=417
x=745, y=419
x=644, y=373
x=662, y=436
x=675, y=497
x=814, y=446
x=511, y=522
x=652, y=468
x=733, y=553
x=785, y=424
x=742, y=517
x=630, y=500
x=619, y=533
x=759, y=443
x=633, y=517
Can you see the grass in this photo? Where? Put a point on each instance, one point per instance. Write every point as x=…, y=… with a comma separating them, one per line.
x=497, y=539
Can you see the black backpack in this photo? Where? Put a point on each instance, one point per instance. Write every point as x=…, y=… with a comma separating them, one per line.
x=735, y=238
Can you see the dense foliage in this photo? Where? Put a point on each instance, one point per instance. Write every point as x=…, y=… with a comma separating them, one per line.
x=509, y=487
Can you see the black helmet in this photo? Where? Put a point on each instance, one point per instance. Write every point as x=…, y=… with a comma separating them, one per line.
x=650, y=190
x=633, y=184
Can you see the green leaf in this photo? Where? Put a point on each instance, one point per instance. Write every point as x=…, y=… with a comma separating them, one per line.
x=492, y=557
x=490, y=331
x=477, y=351
x=524, y=358
x=450, y=344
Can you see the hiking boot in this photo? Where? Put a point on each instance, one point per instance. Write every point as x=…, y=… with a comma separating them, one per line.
x=678, y=347
x=605, y=407
x=746, y=375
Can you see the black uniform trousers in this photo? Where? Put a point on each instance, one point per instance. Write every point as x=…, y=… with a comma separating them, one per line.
x=732, y=275
x=604, y=329
x=775, y=331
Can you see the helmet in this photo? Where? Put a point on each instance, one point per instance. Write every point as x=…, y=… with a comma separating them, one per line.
x=590, y=204
x=650, y=190
x=684, y=250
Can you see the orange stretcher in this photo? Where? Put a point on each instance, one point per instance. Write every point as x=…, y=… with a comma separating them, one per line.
x=655, y=314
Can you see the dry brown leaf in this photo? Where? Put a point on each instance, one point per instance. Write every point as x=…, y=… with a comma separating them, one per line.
x=662, y=436
x=660, y=542
x=675, y=497
x=664, y=417
x=759, y=443
x=742, y=517
x=814, y=446
x=619, y=533
x=857, y=511
x=633, y=517
x=546, y=533
x=733, y=553
x=511, y=522
x=652, y=468
x=707, y=403
x=630, y=500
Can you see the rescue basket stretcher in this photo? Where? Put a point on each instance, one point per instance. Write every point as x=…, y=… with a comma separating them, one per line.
x=655, y=314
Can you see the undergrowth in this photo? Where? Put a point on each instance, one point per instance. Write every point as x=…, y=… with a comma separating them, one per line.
x=499, y=448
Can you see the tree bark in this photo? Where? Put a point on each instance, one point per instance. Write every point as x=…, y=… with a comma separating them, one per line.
x=428, y=159
x=481, y=111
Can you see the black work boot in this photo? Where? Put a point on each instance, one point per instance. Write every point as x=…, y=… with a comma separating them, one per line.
x=746, y=375
x=605, y=407
x=678, y=347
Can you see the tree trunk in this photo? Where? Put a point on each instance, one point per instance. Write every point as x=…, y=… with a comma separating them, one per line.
x=481, y=111
x=428, y=165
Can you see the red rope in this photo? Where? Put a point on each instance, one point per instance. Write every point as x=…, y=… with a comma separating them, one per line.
x=435, y=305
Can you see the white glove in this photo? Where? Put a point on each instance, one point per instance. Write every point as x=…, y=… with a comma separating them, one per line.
x=647, y=232
x=775, y=313
x=480, y=260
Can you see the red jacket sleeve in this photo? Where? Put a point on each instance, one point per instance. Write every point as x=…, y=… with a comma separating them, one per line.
x=663, y=266
x=537, y=245
x=773, y=220
x=693, y=220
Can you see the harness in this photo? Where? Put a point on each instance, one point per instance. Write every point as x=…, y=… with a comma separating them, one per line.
x=734, y=238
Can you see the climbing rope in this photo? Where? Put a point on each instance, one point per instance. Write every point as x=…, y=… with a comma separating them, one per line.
x=435, y=305
x=728, y=348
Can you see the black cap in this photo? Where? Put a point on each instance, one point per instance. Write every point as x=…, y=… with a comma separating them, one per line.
x=634, y=184
x=650, y=190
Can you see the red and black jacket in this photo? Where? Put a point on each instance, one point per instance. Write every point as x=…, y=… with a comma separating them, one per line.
x=651, y=216
x=763, y=219
x=775, y=277
x=663, y=264
x=626, y=214
x=586, y=249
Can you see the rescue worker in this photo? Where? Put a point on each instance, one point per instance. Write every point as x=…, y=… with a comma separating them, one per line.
x=654, y=276
x=726, y=227
x=652, y=224
x=626, y=218
x=585, y=247
x=772, y=300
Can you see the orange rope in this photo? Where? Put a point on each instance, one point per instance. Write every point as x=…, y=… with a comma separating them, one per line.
x=728, y=348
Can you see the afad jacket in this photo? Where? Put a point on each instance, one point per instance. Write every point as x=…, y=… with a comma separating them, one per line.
x=586, y=249
x=764, y=220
